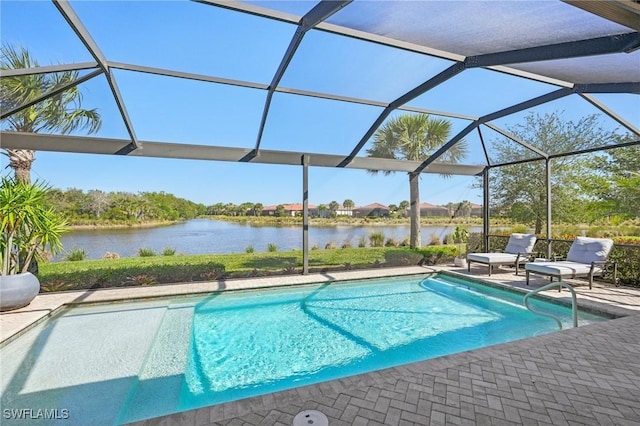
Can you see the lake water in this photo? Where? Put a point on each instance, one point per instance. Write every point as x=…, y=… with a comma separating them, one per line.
x=204, y=236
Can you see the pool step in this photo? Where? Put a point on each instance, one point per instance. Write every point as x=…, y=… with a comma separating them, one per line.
x=157, y=389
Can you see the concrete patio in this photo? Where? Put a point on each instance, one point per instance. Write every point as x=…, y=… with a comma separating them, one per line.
x=588, y=375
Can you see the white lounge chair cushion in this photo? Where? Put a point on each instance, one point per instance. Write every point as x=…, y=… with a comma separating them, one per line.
x=521, y=243
x=563, y=268
x=495, y=258
x=587, y=250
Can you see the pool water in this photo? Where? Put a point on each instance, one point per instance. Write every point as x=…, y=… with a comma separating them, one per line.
x=113, y=364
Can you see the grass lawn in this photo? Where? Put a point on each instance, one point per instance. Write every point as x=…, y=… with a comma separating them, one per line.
x=152, y=270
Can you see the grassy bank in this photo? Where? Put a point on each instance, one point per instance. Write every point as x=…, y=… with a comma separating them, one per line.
x=134, y=271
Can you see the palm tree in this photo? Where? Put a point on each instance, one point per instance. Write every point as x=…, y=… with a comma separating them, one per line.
x=60, y=113
x=348, y=204
x=414, y=137
x=322, y=209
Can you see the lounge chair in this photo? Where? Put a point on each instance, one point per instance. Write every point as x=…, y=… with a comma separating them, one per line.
x=587, y=257
x=519, y=250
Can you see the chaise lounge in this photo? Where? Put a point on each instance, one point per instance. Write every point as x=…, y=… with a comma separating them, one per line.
x=519, y=250
x=587, y=257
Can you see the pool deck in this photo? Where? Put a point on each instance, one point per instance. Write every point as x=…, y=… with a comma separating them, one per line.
x=588, y=375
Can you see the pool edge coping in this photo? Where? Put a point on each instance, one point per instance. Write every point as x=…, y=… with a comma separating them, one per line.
x=598, y=308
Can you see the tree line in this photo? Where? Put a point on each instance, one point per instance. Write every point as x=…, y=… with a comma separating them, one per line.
x=589, y=188
x=98, y=206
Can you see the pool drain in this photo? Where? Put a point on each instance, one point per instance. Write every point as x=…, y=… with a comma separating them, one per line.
x=310, y=417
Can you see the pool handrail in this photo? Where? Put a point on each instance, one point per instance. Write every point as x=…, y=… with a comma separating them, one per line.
x=574, y=303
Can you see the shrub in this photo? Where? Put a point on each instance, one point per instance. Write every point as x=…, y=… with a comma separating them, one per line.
x=433, y=255
x=347, y=244
x=315, y=247
x=402, y=258
x=434, y=240
x=141, y=280
x=142, y=273
x=254, y=273
x=249, y=249
x=362, y=242
x=168, y=251
x=291, y=269
x=272, y=247
x=214, y=274
x=330, y=245
x=146, y=252
x=405, y=242
x=76, y=254
x=448, y=239
x=376, y=239
x=391, y=242
x=520, y=229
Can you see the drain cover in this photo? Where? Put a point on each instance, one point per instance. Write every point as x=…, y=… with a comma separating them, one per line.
x=310, y=417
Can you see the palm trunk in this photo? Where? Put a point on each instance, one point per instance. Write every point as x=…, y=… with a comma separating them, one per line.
x=414, y=194
x=20, y=160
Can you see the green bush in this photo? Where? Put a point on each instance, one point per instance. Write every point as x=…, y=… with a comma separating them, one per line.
x=249, y=249
x=75, y=255
x=402, y=258
x=434, y=255
x=115, y=273
x=391, y=242
x=146, y=252
x=434, y=240
x=168, y=251
x=376, y=239
x=272, y=247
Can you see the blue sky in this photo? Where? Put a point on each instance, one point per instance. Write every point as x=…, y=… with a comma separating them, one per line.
x=192, y=37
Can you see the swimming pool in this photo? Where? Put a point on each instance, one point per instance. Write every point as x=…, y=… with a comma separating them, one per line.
x=124, y=362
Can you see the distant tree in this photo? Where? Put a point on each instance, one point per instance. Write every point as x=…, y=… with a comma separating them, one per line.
x=404, y=204
x=216, y=209
x=322, y=210
x=452, y=209
x=616, y=184
x=462, y=209
x=415, y=137
x=520, y=189
x=60, y=113
x=280, y=211
x=245, y=208
x=348, y=204
x=98, y=202
x=333, y=208
x=257, y=209
x=230, y=209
